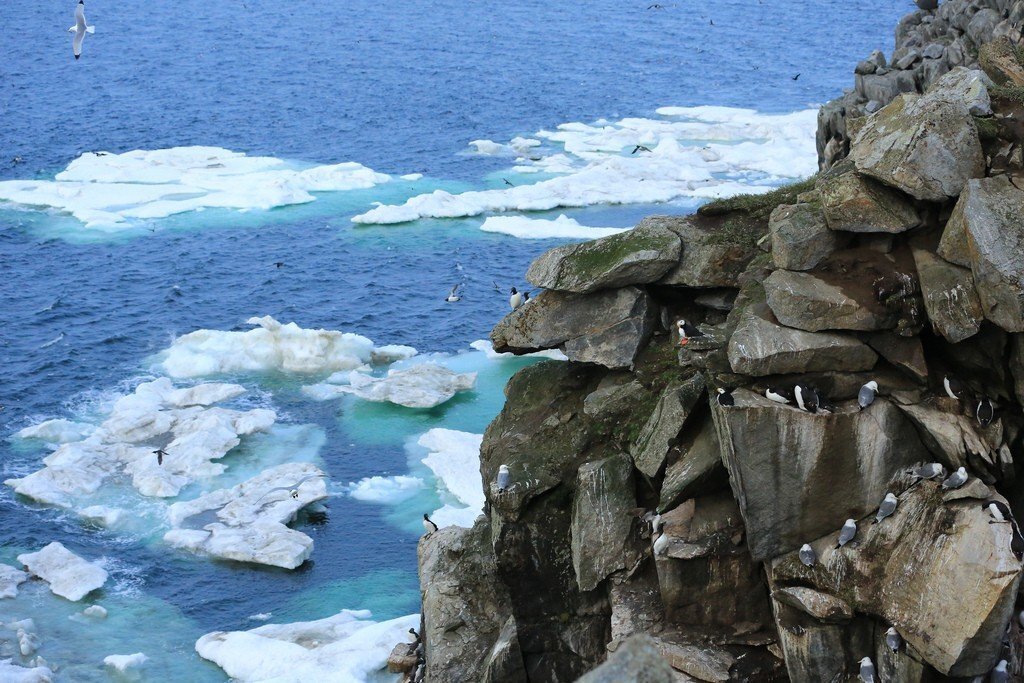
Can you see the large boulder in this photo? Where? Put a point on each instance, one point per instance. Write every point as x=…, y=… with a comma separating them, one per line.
x=800, y=236
x=635, y=257
x=603, y=538
x=926, y=146
x=662, y=428
x=716, y=249
x=937, y=570
x=636, y=660
x=608, y=327
x=464, y=604
x=760, y=346
x=986, y=232
x=999, y=60
x=786, y=465
x=699, y=463
x=818, y=301
x=852, y=202
x=969, y=85
x=950, y=298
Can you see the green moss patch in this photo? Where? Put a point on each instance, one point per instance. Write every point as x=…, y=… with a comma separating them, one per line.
x=758, y=206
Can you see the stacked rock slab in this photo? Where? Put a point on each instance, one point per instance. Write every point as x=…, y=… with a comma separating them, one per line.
x=652, y=531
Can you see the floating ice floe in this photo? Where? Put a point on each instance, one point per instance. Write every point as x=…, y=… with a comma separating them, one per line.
x=379, y=489
x=454, y=459
x=10, y=579
x=155, y=416
x=271, y=346
x=487, y=348
x=345, y=648
x=562, y=227
x=248, y=522
x=107, y=191
x=94, y=612
x=57, y=431
x=68, y=574
x=125, y=663
x=697, y=152
x=425, y=385
x=12, y=673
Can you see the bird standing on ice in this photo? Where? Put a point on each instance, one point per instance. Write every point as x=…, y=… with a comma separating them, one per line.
x=80, y=29
x=428, y=524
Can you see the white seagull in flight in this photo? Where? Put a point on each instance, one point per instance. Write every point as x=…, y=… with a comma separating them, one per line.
x=80, y=29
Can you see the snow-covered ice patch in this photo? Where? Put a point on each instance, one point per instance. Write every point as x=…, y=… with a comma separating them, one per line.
x=12, y=673
x=526, y=228
x=425, y=385
x=387, y=490
x=487, y=348
x=125, y=663
x=347, y=647
x=454, y=459
x=248, y=522
x=698, y=152
x=10, y=579
x=68, y=574
x=110, y=191
x=272, y=346
x=57, y=431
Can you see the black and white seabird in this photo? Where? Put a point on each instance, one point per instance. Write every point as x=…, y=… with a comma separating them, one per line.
x=954, y=387
x=278, y=264
x=292, y=489
x=806, y=398
x=515, y=299
x=955, y=480
x=687, y=332
x=847, y=533
x=526, y=297
x=867, y=671
x=453, y=295
x=160, y=453
x=984, y=412
x=887, y=507
x=502, y=479
x=867, y=393
x=824, y=405
x=931, y=470
x=807, y=555
x=778, y=395
x=893, y=639
x=80, y=29
x=999, y=674
x=640, y=148
x=999, y=510
x=428, y=525
x=725, y=398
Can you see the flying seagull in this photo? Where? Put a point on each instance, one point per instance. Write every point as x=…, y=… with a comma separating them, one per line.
x=453, y=295
x=640, y=148
x=847, y=533
x=159, y=453
x=867, y=394
x=80, y=29
x=293, y=489
x=428, y=524
x=508, y=182
x=887, y=507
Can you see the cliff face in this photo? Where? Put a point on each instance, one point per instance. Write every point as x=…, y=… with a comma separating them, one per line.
x=653, y=524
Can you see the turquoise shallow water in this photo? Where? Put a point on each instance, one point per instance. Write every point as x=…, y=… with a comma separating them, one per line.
x=400, y=88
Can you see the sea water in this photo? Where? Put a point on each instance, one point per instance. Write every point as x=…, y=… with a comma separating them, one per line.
x=533, y=108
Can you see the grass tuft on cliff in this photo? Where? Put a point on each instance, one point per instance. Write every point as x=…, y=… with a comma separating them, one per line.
x=758, y=206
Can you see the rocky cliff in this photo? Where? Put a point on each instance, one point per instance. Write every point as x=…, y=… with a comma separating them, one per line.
x=671, y=516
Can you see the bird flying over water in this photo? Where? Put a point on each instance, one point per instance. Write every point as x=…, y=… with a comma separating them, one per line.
x=453, y=295
x=796, y=77
x=80, y=29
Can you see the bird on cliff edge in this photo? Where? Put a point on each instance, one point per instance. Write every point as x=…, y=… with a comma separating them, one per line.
x=806, y=398
x=867, y=671
x=847, y=533
x=984, y=412
x=428, y=524
x=887, y=507
x=893, y=639
x=778, y=395
x=502, y=479
x=515, y=299
x=80, y=29
x=725, y=398
x=687, y=332
x=955, y=480
x=867, y=393
x=999, y=674
x=932, y=470
x=954, y=387
x=807, y=555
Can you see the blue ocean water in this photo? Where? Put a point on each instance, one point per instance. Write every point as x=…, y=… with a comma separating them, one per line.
x=399, y=87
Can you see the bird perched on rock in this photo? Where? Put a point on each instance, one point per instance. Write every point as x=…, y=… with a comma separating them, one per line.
x=1000, y=674
x=867, y=393
x=686, y=332
x=887, y=507
x=847, y=533
x=807, y=555
x=984, y=412
x=893, y=639
x=428, y=524
x=778, y=395
x=999, y=510
x=824, y=405
x=954, y=387
x=80, y=29
x=930, y=470
x=955, y=480
x=867, y=671
x=806, y=398
x=725, y=398
x=502, y=479
x=526, y=297
x=515, y=299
